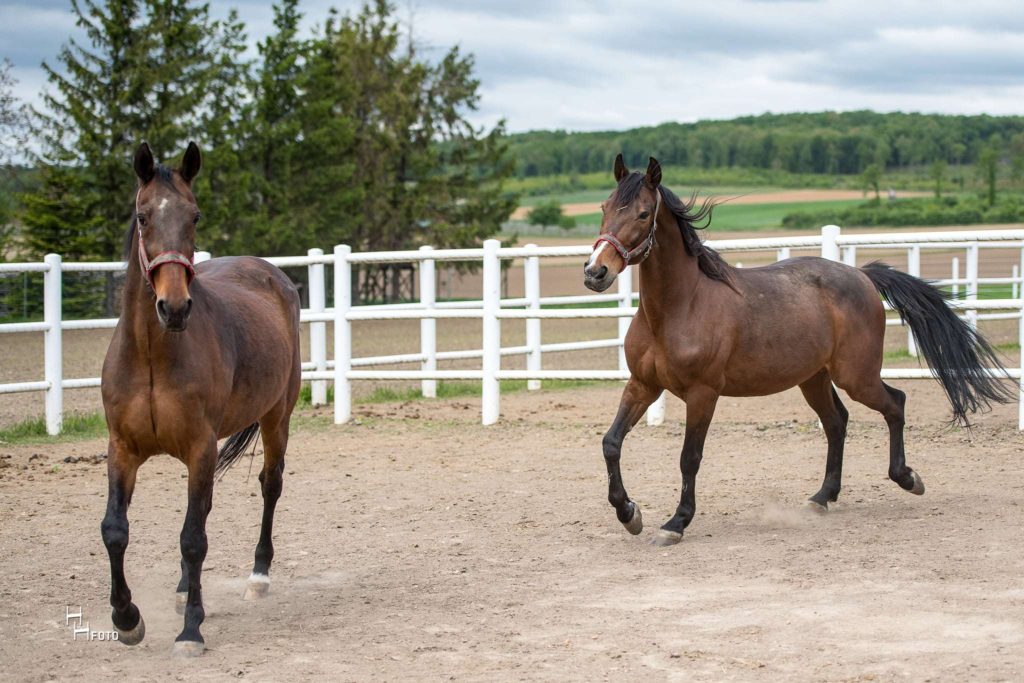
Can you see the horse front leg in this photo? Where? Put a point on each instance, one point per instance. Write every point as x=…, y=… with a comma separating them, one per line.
x=700, y=408
x=201, y=463
x=122, y=467
x=636, y=398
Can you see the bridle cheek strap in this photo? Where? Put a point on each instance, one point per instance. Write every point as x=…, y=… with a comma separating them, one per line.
x=639, y=253
x=163, y=258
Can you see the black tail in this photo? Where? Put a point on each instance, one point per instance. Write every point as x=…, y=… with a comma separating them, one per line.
x=235, y=447
x=957, y=353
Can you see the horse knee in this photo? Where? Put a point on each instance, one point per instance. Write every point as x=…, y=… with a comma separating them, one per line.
x=115, y=534
x=193, y=546
x=611, y=444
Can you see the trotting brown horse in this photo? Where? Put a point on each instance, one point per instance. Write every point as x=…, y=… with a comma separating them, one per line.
x=705, y=329
x=200, y=353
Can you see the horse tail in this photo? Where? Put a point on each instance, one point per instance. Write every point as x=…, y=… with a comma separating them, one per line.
x=955, y=351
x=235, y=447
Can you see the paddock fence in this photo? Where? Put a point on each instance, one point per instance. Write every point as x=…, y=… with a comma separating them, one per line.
x=491, y=309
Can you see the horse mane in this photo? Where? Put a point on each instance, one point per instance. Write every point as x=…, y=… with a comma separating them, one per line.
x=166, y=176
x=688, y=215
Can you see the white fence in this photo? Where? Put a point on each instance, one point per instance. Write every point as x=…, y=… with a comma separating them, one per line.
x=491, y=309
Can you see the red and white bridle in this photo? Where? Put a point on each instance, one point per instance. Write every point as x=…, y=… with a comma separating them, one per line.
x=642, y=250
x=163, y=258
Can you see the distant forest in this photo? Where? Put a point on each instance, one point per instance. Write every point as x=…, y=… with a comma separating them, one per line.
x=827, y=142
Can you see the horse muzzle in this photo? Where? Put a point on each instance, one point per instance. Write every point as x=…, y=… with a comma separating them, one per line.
x=173, y=315
x=597, y=278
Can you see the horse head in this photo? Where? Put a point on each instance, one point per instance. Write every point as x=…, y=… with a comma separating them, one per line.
x=166, y=215
x=628, y=225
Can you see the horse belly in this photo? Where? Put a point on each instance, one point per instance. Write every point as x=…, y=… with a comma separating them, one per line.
x=778, y=362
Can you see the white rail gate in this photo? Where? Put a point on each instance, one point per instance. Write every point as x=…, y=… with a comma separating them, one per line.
x=491, y=309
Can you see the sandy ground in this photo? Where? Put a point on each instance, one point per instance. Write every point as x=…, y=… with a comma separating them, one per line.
x=774, y=197
x=415, y=544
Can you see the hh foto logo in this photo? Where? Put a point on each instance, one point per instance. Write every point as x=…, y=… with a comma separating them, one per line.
x=79, y=627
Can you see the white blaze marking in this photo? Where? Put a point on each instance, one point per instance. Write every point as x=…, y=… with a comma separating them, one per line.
x=163, y=204
x=597, y=252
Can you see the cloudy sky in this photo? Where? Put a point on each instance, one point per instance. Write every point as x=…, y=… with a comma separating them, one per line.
x=609, y=65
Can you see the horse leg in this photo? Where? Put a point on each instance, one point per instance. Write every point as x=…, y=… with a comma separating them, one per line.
x=820, y=395
x=122, y=466
x=636, y=398
x=201, y=464
x=700, y=408
x=275, y=442
x=890, y=402
x=181, y=592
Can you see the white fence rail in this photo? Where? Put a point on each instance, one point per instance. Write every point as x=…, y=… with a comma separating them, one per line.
x=491, y=309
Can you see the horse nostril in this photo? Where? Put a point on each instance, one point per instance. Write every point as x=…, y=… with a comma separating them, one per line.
x=602, y=272
x=161, y=308
x=188, y=307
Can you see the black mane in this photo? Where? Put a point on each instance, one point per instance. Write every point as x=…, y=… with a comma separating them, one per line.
x=164, y=175
x=688, y=214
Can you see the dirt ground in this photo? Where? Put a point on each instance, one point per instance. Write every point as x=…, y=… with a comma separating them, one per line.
x=415, y=544
x=774, y=197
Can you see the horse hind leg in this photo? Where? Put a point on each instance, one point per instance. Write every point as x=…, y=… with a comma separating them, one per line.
x=890, y=402
x=824, y=400
x=275, y=441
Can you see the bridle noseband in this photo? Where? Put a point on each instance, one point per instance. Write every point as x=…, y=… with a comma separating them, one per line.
x=163, y=258
x=642, y=250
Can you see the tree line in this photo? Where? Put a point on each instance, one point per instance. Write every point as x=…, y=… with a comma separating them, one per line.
x=826, y=143
x=349, y=136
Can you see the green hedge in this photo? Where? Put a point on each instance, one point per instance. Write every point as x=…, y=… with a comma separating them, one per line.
x=944, y=211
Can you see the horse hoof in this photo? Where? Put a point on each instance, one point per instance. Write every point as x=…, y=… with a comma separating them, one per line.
x=815, y=506
x=134, y=636
x=258, y=587
x=664, y=537
x=918, y=489
x=636, y=523
x=180, y=600
x=187, y=649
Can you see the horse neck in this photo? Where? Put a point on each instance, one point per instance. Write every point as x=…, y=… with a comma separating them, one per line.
x=669, y=277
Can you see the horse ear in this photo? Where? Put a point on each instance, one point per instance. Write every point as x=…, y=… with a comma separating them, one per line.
x=653, y=176
x=145, y=166
x=191, y=163
x=620, y=169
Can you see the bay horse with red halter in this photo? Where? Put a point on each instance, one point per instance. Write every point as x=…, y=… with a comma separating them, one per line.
x=704, y=329
x=201, y=352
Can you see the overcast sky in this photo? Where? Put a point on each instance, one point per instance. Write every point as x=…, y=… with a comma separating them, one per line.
x=598, y=65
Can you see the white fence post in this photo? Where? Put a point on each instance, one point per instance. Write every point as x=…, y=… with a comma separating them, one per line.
x=428, y=326
x=1015, y=274
x=829, y=246
x=956, y=276
x=201, y=256
x=656, y=412
x=625, y=301
x=1020, y=382
x=782, y=254
x=914, y=268
x=531, y=275
x=850, y=256
x=342, y=334
x=53, y=358
x=972, y=282
x=317, y=331
x=491, y=391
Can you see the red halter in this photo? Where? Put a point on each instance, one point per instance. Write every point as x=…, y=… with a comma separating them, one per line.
x=163, y=258
x=642, y=250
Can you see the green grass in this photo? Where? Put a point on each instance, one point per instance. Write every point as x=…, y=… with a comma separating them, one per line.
x=737, y=217
x=451, y=389
x=76, y=426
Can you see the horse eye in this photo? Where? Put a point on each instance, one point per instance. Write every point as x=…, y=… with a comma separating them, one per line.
x=644, y=214
x=141, y=219
x=195, y=220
